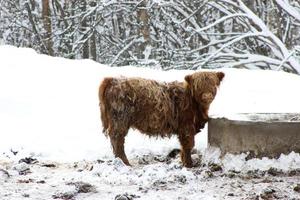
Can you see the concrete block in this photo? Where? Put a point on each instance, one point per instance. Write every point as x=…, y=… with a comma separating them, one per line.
x=261, y=134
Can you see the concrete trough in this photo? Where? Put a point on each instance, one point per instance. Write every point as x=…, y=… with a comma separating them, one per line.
x=261, y=134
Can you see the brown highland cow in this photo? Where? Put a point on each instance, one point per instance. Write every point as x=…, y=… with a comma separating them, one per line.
x=157, y=109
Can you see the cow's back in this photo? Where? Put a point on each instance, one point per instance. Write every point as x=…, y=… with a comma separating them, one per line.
x=142, y=104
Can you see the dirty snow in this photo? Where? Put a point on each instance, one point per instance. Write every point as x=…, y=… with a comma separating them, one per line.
x=51, y=144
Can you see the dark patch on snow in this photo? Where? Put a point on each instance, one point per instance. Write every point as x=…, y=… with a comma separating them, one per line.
x=268, y=194
x=250, y=155
x=197, y=161
x=197, y=171
x=231, y=174
x=160, y=185
x=274, y=172
x=209, y=174
x=230, y=194
x=49, y=165
x=173, y=153
x=295, y=172
x=65, y=196
x=176, y=166
x=99, y=161
x=14, y=152
x=24, y=171
x=25, y=180
x=254, y=174
x=149, y=159
x=297, y=188
x=28, y=160
x=145, y=159
x=83, y=166
x=267, y=180
x=180, y=179
x=5, y=173
x=215, y=167
x=82, y=187
x=26, y=195
x=41, y=182
x=126, y=196
x=160, y=158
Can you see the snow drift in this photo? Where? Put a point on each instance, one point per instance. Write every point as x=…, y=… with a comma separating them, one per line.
x=51, y=144
x=49, y=106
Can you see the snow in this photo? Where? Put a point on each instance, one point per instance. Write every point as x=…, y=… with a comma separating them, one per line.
x=49, y=111
x=239, y=163
x=265, y=117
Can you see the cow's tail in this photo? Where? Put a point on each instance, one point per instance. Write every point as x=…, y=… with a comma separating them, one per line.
x=103, y=104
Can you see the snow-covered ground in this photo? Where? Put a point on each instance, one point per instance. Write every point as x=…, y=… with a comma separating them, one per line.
x=51, y=145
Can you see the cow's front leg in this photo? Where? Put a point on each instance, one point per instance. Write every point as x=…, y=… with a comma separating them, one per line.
x=187, y=144
x=186, y=157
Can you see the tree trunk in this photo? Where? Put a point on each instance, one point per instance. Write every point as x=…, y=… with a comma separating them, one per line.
x=84, y=23
x=47, y=26
x=34, y=29
x=143, y=19
x=93, y=47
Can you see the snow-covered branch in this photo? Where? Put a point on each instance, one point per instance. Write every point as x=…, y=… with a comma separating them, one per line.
x=125, y=48
x=258, y=32
x=289, y=9
x=229, y=44
x=285, y=52
x=222, y=20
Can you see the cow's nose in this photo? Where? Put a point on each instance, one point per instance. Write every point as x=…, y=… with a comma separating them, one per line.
x=207, y=97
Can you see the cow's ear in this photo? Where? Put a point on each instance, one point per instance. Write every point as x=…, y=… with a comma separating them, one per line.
x=220, y=75
x=188, y=79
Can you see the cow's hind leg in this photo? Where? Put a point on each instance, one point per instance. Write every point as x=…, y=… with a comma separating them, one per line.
x=117, y=139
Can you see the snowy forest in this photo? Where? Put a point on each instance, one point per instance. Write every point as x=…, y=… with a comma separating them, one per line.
x=169, y=34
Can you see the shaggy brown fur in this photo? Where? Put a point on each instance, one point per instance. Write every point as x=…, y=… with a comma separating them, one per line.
x=157, y=109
